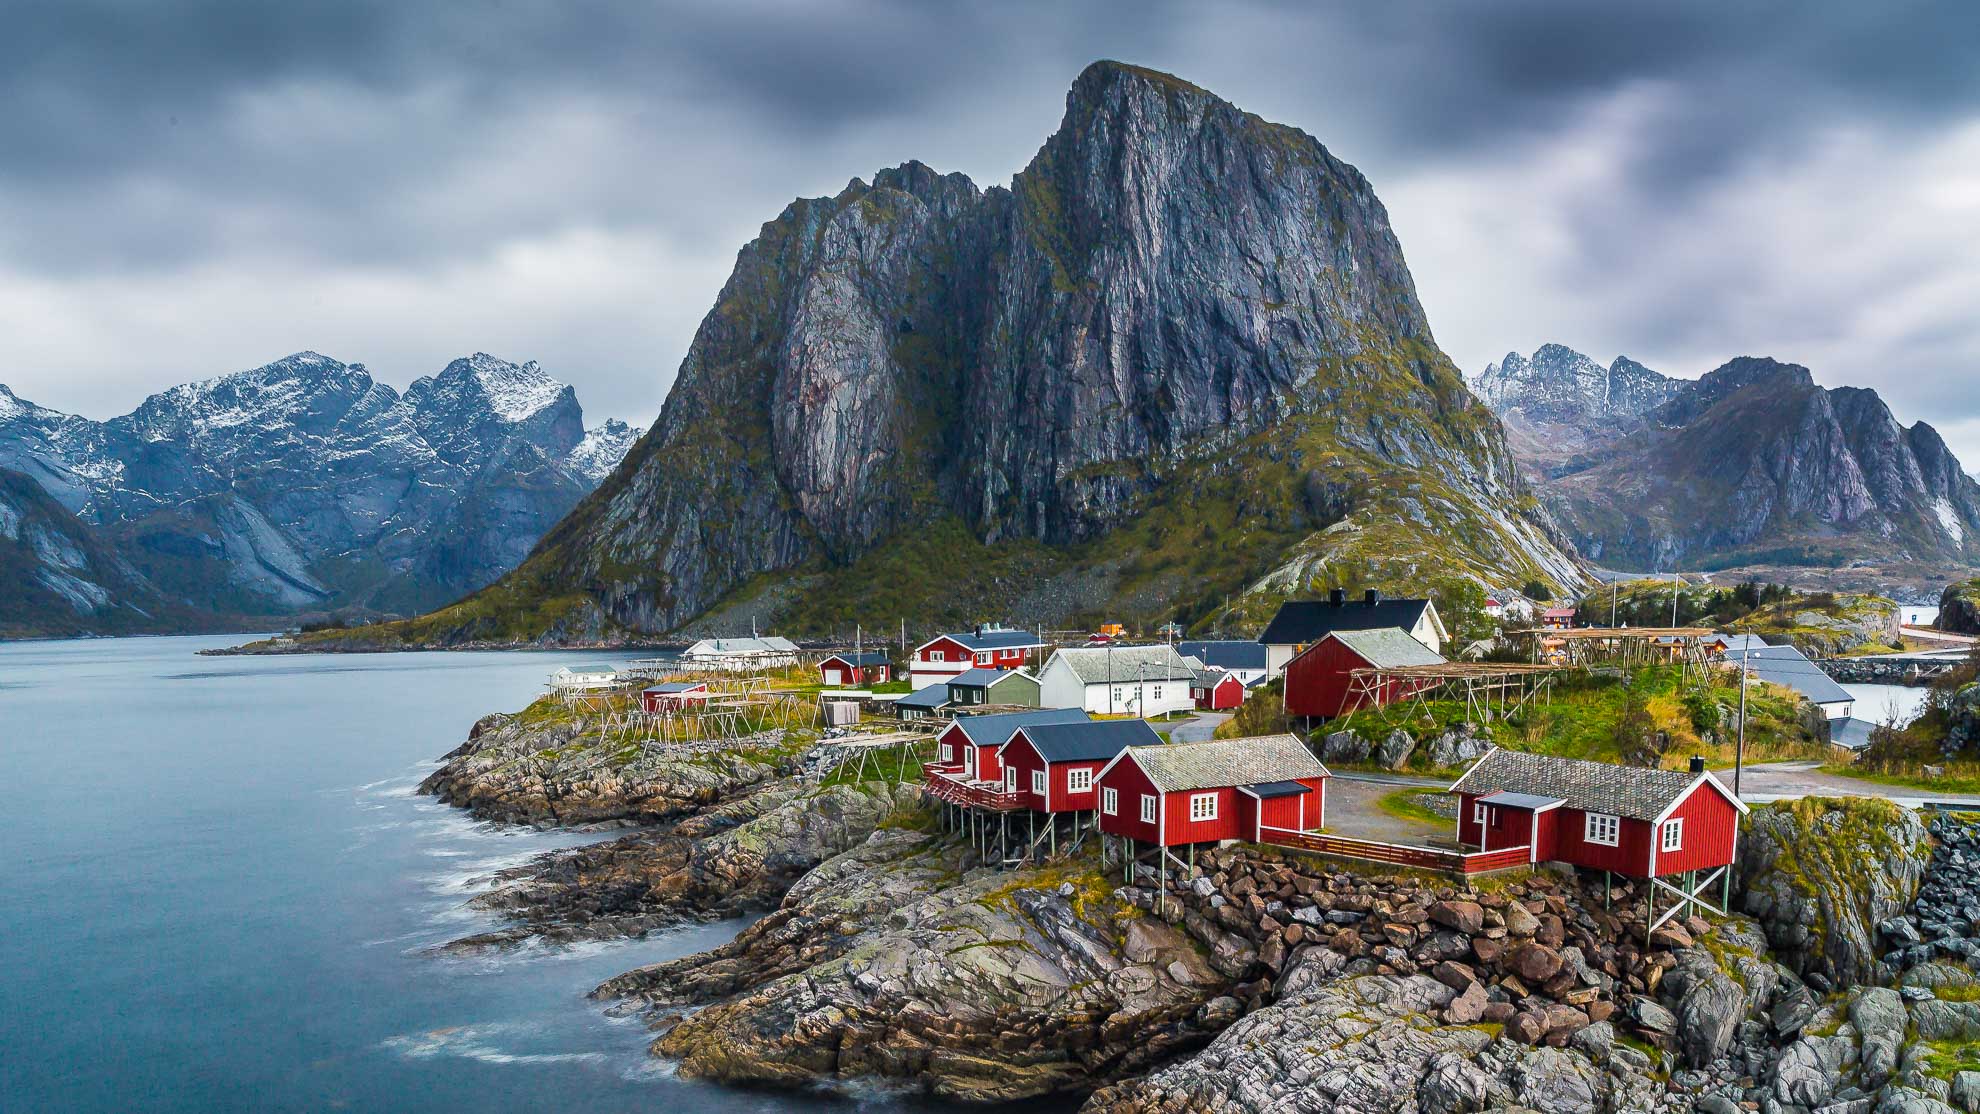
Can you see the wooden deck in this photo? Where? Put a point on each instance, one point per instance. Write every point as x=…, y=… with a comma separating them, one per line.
x=1459, y=864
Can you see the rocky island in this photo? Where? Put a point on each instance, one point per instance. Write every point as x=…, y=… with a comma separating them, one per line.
x=887, y=951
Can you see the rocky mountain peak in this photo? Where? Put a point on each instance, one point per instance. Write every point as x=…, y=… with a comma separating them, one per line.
x=1559, y=384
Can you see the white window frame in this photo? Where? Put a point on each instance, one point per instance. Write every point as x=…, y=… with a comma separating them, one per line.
x=948, y=752
x=1110, y=800
x=983, y=658
x=1010, y=779
x=1601, y=829
x=1478, y=813
x=1079, y=779
x=1673, y=835
x=1038, y=781
x=1147, y=808
x=1202, y=807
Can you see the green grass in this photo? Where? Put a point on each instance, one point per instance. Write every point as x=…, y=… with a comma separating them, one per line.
x=1961, y=777
x=1945, y=1059
x=1406, y=804
x=883, y=764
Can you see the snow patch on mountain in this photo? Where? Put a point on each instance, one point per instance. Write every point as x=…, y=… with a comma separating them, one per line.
x=602, y=449
x=515, y=391
x=1949, y=519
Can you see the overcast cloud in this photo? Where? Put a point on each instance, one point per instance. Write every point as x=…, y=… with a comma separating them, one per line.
x=193, y=188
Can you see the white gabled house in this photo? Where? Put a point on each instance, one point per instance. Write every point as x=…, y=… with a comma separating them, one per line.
x=1119, y=680
x=583, y=678
x=741, y=654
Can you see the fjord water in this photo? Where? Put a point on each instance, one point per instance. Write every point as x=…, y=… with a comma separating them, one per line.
x=218, y=892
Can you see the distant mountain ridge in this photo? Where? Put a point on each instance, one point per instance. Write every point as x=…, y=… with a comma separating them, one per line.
x=1751, y=464
x=305, y=485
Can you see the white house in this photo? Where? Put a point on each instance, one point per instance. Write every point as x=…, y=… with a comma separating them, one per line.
x=741, y=654
x=1119, y=680
x=583, y=678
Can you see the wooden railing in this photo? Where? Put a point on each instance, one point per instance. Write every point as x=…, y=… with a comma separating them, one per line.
x=971, y=794
x=1416, y=858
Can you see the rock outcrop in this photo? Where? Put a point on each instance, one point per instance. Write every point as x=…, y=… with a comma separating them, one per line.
x=1959, y=607
x=1175, y=304
x=1822, y=874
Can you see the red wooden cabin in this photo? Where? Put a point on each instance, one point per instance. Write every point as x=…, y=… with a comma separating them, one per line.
x=1320, y=681
x=1056, y=766
x=869, y=668
x=673, y=695
x=1214, y=790
x=1631, y=821
x=966, y=750
x=989, y=647
x=1217, y=691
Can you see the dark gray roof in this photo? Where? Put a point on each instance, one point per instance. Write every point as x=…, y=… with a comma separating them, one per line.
x=1851, y=733
x=1521, y=800
x=1090, y=741
x=1632, y=791
x=927, y=696
x=1215, y=763
x=981, y=678
x=1388, y=648
x=1785, y=665
x=994, y=639
x=870, y=657
x=995, y=730
x=1265, y=791
x=1304, y=621
x=1225, y=655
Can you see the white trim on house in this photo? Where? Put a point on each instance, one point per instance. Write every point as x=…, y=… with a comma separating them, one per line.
x=1693, y=788
x=1073, y=780
x=1151, y=812
x=1672, y=835
x=1202, y=806
x=1110, y=800
x=1038, y=782
x=1604, y=829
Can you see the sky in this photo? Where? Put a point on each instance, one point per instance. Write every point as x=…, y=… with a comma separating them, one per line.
x=191, y=188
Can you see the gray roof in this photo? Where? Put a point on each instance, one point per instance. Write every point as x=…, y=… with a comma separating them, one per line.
x=1270, y=789
x=994, y=639
x=1089, y=741
x=870, y=657
x=1388, y=647
x=1851, y=733
x=1737, y=642
x=1521, y=800
x=770, y=644
x=996, y=729
x=1632, y=791
x=594, y=667
x=927, y=696
x=1215, y=763
x=1785, y=665
x=1091, y=664
x=981, y=678
x=676, y=686
x=1225, y=655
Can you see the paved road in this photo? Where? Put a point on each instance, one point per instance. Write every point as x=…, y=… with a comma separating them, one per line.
x=1198, y=729
x=1776, y=781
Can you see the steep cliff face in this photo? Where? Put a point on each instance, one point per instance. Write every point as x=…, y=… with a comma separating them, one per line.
x=305, y=485
x=60, y=579
x=1177, y=309
x=1752, y=464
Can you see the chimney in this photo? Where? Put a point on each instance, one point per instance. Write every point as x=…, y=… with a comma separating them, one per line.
x=1372, y=596
x=1337, y=596
x=1697, y=764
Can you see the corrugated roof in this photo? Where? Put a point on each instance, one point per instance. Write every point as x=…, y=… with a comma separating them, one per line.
x=1092, y=664
x=1091, y=741
x=1270, y=789
x=981, y=677
x=1225, y=655
x=1785, y=665
x=927, y=696
x=1388, y=648
x=1632, y=791
x=1303, y=621
x=996, y=729
x=1215, y=763
x=592, y=668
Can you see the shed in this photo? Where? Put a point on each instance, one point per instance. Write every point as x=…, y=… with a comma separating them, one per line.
x=869, y=668
x=994, y=686
x=1242, y=659
x=1119, y=680
x=1320, y=681
x=1214, y=790
x=671, y=695
x=928, y=700
x=1790, y=668
x=1216, y=690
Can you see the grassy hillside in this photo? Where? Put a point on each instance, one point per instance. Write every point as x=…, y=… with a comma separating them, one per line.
x=1822, y=624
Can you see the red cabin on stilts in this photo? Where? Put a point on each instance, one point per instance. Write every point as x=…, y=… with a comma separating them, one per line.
x=1215, y=790
x=1320, y=682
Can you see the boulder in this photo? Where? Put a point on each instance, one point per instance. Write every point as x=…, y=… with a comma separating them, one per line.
x=1467, y=917
x=1344, y=748
x=1395, y=750
x=1468, y=1008
x=1527, y=1027
x=1451, y=1084
x=1709, y=1017
x=1535, y=963
x=1519, y=922
x=1966, y=1091
x=1880, y=1019
x=1453, y=749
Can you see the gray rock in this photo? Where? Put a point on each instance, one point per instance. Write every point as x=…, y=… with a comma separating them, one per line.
x=1879, y=1016
x=1344, y=748
x=1395, y=750
x=1451, y=1084
x=1966, y=1091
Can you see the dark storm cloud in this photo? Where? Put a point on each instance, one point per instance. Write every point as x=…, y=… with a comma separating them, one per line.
x=208, y=184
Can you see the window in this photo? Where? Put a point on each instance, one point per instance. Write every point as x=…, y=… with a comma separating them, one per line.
x=1600, y=828
x=1158, y=692
x=1038, y=781
x=1203, y=806
x=1110, y=801
x=948, y=752
x=1010, y=780
x=1079, y=780
x=1117, y=694
x=1478, y=813
x=1147, y=809
x=983, y=659
x=1673, y=835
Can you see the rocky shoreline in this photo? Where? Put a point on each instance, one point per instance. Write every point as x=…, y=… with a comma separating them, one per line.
x=1271, y=981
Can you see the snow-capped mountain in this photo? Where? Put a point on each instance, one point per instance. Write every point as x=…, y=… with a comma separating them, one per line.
x=305, y=485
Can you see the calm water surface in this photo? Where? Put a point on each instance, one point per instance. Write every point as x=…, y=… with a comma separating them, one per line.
x=218, y=892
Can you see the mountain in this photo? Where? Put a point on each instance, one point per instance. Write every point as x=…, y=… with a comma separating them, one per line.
x=1558, y=403
x=1181, y=359
x=305, y=486
x=1753, y=464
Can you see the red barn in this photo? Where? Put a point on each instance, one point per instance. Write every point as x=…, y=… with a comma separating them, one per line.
x=1320, y=680
x=869, y=668
x=1216, y=690
x=1631, y=821
x=1214, y=790
x=673, y=695
x=1056, y=766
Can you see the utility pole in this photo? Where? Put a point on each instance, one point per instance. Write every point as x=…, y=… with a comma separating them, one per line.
x=1612, y=601
x=1739, y=748
x=1677, y=593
